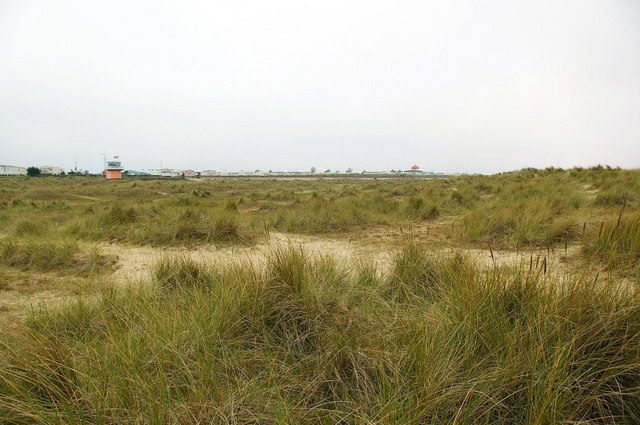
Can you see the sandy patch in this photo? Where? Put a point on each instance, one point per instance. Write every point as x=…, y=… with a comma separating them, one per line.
x=86, y=197
x=135, y=263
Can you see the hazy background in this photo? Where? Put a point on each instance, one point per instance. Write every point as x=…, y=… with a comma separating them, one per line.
x=449, y=85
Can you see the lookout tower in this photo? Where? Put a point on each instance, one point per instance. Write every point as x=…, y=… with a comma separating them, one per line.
x=113, y=168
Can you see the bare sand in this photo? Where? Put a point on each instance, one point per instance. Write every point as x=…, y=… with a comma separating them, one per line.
x=134, y=263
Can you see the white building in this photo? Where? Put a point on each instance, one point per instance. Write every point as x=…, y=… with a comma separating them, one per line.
x=165, y=172
x=11, y=170
x=50, y=169
x=209, y=173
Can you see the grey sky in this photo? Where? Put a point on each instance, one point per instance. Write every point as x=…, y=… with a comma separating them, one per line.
x=236, y=84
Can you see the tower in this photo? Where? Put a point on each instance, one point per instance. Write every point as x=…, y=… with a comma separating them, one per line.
x=113, y=170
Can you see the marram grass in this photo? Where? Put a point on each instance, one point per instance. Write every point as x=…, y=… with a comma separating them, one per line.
x=301, y=339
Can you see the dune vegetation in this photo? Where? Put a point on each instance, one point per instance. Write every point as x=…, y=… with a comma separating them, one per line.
x=436, y=331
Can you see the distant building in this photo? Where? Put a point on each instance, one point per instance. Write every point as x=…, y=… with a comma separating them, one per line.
x=50, y=169
x=168, y=172
x=113, y=170
x=414, y=170
x=189, y=173
x=165, y=172
x=209, y=173
x=12, y=170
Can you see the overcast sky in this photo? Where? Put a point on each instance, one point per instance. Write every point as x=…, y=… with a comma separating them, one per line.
x=464, y=86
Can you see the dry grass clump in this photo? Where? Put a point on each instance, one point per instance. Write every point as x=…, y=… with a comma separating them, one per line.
x=511, y=348
x=351, y=213
x=227, y=229
x=117, y=215
x=325, y=216
x=417, y=273
x=172, y=272
x=52, y=255
x=304, y=339
x=158, y=226
x=27, y=226
x=419, y=208
x=529, y=216
x=616, y=243
x=192, y=227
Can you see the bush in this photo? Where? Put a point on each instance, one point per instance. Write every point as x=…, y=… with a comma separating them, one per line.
x=33, y=171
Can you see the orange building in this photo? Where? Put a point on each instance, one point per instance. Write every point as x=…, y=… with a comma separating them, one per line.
x=113, y=174
x=113, y=170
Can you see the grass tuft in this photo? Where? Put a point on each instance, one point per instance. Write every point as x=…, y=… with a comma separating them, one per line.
x=174, y=272
x=52, y=255
x=616, y=243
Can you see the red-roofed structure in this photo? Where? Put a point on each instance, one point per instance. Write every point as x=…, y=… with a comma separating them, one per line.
x=414, y=170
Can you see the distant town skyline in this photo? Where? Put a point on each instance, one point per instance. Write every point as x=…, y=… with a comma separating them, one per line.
x=113, y=169
x=107, y=164
x=456, y=86
x=249, y=170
